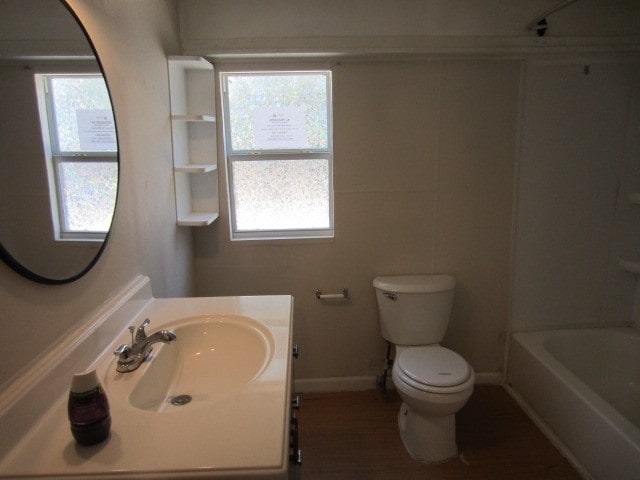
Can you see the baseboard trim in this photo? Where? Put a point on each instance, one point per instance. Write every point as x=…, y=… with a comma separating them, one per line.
x=334, y=384
x=354, y=384
x=490, y=378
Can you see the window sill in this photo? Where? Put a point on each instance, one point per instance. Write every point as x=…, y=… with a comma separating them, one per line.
x=80, y=242
x=281, y=241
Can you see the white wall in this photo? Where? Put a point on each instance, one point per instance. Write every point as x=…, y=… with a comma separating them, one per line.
x=40, y=28
x=132, y=40
x=425, y=153
x=579, y=161
x=447, y=27
x=423, y=173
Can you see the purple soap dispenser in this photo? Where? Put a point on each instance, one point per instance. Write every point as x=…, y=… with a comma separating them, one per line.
x=88, y=409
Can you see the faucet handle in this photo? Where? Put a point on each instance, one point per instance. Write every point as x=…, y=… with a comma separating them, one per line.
x=123, y=351
x=140, y=333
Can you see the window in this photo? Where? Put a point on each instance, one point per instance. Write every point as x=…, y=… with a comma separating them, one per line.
x=81, y=152
x=279, y=154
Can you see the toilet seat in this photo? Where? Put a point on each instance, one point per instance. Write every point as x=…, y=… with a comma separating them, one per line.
x=433, y=369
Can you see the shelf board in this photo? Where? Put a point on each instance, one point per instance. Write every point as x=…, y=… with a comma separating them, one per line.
x=197, y=219
x=631, y=266
x=196, y=168
x=190, y=62
x=193, y=118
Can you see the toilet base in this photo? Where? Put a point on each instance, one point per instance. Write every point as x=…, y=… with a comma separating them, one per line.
x=428, y=439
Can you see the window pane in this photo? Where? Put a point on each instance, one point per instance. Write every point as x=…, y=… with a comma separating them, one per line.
x=82, y=115
x=88, y=191
x=281, y=194
x=279, y=111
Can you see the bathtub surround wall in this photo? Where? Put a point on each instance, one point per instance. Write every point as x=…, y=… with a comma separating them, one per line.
x=579, y=163
x=577, y=217
x=132, y=40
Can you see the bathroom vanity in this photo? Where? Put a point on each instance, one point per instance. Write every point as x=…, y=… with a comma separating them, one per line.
x=231, y=358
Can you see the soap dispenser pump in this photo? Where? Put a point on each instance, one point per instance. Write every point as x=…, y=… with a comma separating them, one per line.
x=88, y=409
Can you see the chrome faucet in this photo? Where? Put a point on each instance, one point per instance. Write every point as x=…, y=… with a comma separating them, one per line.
x=131, y=356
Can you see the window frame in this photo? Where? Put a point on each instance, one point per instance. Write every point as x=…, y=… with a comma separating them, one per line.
x=54, y=157
x=234, y=156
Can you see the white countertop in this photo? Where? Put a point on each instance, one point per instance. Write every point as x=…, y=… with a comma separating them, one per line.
x=240, y=435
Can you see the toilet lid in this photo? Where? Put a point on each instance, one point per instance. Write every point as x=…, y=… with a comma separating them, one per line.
x=434, y=366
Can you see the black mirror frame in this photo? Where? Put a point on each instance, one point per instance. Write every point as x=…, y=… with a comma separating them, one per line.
x=6, y=256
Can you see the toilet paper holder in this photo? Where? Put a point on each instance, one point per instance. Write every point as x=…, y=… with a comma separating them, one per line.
x=332, y=296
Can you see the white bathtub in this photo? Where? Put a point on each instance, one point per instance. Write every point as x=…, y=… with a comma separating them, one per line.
x=583, y=389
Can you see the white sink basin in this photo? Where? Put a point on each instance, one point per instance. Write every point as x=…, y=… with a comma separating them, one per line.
x=232, y=356
x=213, y=357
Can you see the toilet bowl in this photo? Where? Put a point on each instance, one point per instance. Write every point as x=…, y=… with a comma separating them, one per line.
x=432, y=381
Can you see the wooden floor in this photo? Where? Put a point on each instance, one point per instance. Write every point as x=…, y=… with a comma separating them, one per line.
x=355, y=435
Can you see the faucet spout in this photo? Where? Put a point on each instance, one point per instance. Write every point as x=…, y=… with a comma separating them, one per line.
x=164, y=336
x=130, y=357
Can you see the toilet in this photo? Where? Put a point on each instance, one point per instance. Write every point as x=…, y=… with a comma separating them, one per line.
x=432, y=381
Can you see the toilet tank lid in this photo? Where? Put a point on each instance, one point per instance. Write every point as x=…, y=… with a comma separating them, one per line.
x=415, y=283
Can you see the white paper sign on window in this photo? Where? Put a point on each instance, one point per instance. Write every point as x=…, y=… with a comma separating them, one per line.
x=96, y=130
x=277, y=128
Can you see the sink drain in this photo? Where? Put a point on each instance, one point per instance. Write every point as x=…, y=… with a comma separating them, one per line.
x=180, y=400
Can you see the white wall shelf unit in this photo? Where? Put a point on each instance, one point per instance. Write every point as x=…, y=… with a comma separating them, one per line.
x=193, y=135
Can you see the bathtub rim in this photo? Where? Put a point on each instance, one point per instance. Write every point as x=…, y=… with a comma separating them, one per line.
x=609, y=414
x=527, y=350
x=548, y=432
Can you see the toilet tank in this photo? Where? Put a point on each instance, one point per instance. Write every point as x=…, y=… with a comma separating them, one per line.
x=414, y=309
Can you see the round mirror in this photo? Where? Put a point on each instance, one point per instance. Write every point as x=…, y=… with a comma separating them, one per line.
x=59, y=165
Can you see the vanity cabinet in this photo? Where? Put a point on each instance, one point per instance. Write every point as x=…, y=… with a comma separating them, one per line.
x=193, y=135
x=295, y=452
